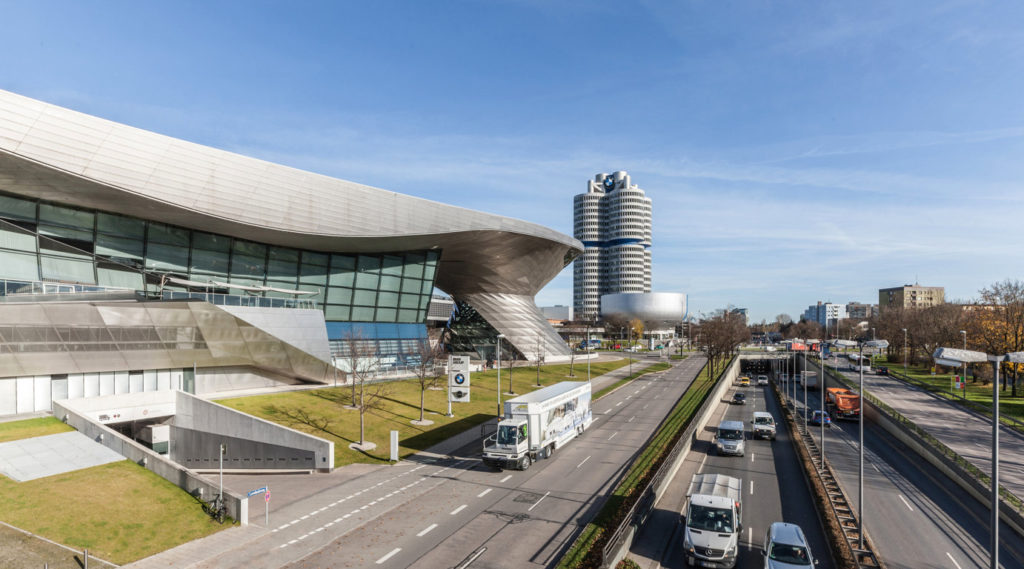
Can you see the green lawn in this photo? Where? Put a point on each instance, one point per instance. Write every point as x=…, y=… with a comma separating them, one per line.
x=325, y=408
x=120, y=511
x=15, y=430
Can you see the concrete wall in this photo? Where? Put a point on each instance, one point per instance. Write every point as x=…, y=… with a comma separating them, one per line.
x=232, y=378
x=204, y=425
x=237, y=506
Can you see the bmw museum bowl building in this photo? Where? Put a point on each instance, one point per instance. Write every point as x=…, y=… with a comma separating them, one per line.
x=134, y=262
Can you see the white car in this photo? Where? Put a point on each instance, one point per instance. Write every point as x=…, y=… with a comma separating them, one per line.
x=762, y=380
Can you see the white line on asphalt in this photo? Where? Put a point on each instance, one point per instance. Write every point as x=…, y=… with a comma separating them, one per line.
x=635, y=392
x=354, y=512
x=484, y=493
x=364, y=507
x=346, y=515
x=751, y=487
x=427, y=530
x=619, y=403
x=338, y=520
x=504, y=479
x=291, y=522
x=328, y=524
x=751, y=460
x=750, y=535
x=953, y=560
x=606, y=411
x=645, y=406
x=459, y=509
x=538, y=501
x=389, y=555
x=304, y=517
x=613, y=435
x=876, y=468
x=322, y=509
x=584, y=460
x=631, y=419
x=905, y=502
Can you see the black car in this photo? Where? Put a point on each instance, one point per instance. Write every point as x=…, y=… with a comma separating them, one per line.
x=739, y=399
x=882, y=370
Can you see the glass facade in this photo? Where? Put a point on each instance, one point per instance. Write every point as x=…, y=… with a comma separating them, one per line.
x=40, y=241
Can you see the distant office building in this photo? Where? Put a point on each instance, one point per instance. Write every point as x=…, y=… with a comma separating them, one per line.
x=557, y=313
x=742, y=312
x=861, y=311
x=613, y=220
x=911, y=296
x=825, y=313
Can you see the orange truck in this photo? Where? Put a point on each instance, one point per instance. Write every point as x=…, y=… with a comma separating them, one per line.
x=845, y=404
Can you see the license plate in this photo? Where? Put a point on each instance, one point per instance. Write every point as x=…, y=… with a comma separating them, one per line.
x=707, y=564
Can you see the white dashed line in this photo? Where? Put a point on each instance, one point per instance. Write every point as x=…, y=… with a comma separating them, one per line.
x=484, y=493
x=530, y=509
x=619, y=403
x=905, y=502
x=503, y=480
x=584, y=460
x=953, y=560
x=751, y=487
x=645, y=406
x=751, y=460
x=606, y=411
x=426, y=530
x=304, y=517
x=389, y=555
x=631, y=419
x=457, y=510
x=613, y=435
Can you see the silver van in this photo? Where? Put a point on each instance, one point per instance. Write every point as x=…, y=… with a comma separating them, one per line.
x=730, y=438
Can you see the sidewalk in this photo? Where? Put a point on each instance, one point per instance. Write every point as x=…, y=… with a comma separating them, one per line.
x=291, y=490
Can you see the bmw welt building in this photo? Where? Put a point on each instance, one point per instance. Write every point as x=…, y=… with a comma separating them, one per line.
x=133, y=262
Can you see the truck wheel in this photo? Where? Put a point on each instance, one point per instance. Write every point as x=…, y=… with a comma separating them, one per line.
x=526, y=462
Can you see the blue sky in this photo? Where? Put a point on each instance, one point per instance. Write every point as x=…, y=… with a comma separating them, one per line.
x=794, y=151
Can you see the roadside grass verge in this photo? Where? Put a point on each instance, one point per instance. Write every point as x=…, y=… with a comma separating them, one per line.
x=120, y=511
x=587, y=550
x=16, y=430
x=326, y=416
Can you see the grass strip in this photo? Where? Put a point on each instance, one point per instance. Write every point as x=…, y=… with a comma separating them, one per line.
x=29, y=428
x=586, y=552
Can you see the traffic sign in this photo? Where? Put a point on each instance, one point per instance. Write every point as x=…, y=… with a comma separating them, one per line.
x=259, y=491
x=266, y=496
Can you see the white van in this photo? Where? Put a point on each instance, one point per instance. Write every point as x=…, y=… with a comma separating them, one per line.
x=730, y=438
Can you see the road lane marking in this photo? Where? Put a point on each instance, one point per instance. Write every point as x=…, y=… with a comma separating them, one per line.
x=613, y=435
x=751, y=460
x=953, y=560
x=606, y=411
x=484, y=493
x=876, y=469
x=427, y=530
x=905, y=502
x=619, y=403
x=389, y=555
x=304, y=517
x=645, y=406
x=631, y=419
x=504, y=479
x=584, y=460
x=751, y=487
x=459, y=509
x=530, y=509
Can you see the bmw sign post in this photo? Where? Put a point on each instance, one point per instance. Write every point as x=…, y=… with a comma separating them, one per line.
x=458, y=380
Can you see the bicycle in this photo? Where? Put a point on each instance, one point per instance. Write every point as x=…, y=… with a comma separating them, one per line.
x=216, y=508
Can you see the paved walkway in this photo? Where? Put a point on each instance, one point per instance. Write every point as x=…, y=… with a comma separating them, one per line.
x=38, y=457
x=292, y=495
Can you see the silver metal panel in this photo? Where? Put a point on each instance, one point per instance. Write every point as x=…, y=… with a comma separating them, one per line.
x=522, y=323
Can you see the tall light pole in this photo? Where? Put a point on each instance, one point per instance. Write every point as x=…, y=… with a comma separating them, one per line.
x=963, y=378
x=904, y=351
x=588, y=352
x=500, y=336
x=803, y=380
x=954, y=357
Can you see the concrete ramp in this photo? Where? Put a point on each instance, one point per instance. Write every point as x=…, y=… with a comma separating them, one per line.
x=38, y=457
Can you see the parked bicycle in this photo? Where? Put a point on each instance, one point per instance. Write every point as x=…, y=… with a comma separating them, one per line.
x=216, y=508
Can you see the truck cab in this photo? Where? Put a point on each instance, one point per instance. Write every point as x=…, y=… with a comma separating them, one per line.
x=509, y=447
x=712, y=522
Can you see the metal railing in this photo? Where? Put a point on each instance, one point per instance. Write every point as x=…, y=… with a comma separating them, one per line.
x=240, y=300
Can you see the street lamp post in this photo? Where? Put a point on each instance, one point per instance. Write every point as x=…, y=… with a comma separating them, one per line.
x=500, y=336
x=588, y=352
x=904, y=351
x=954, y=357
x=963, y=378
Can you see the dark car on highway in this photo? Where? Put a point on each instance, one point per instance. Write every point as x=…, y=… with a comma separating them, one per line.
x=882, y=370
x=739, y=399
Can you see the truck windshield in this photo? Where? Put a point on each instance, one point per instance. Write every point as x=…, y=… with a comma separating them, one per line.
x=507, y=435
x=763, y=420
x=730, y=434
x=710, y=519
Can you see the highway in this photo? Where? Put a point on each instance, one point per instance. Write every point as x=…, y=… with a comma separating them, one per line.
x=438, y=514
x=916, y=518
x=774, y=490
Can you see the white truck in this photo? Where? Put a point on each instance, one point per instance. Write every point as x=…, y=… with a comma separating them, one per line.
x=536, y=424
x=809, y=378
x=712, y=521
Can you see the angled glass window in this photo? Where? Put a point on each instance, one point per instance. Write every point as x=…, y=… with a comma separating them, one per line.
x=362, y=313
x=410, y=301
x=342, y=270
x=167, y=234
x=414, y=265
x=312, y=258
x=405, y=315
x=365, y=298
x=337, y=312
x=367, y=281
x=19, y=265
x=65, y=216
x=248, y=266
x=313, y=274
x=120, y=225
x=250, y=249
x=391, y=265
x=211, y=242
x=17, y=208
x=386, y=315
x=284, y=263
x=389, y=283
x=368, y=264
x=210, y=263
x=64, y=269
x=387, y=299
x=413, y=286
x=119, y=247
x=167, y=258
x=119, y=279
x=339, y=295
x=13, y=237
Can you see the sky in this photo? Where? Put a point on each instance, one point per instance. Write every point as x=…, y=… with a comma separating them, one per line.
x=794, y=152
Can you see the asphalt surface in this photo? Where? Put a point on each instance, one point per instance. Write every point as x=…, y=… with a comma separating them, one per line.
x=774, y=489
x=915, y=516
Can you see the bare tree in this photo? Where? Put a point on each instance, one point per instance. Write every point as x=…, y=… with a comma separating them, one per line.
x=363, y=361
x=722, y=334
x=572, y=357
x=510, y=357
x=427, y=357
x=540, y=357
x=999, y=322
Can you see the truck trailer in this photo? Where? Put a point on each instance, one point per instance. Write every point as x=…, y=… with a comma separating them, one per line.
x=536, y=424
x=844, y=403
x=712, y=521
